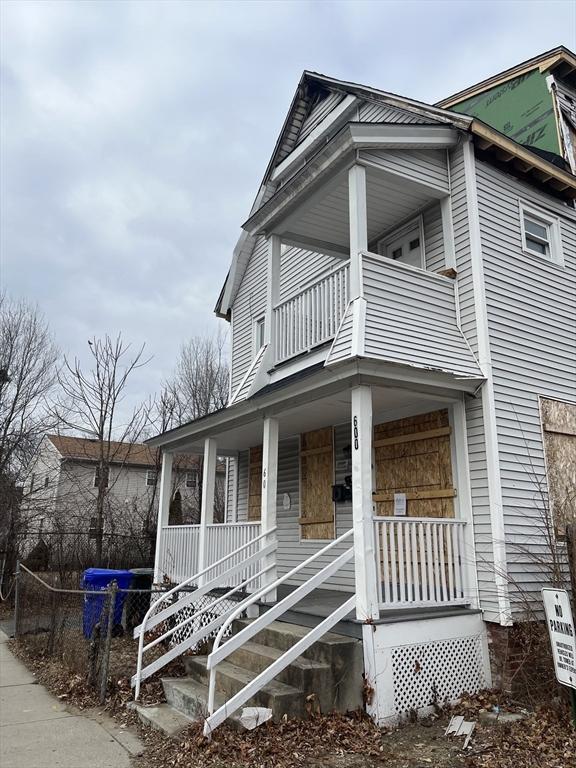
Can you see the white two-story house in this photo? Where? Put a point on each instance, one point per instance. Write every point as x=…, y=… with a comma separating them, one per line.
x=402, y=304
x=59, y=501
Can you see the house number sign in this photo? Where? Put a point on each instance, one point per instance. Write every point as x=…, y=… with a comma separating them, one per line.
x=355, y=433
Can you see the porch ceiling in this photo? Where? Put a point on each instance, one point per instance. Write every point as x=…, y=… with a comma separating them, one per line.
x=326, y=411
x=324, y=216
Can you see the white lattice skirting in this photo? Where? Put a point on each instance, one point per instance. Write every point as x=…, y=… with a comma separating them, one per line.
x=417, y=664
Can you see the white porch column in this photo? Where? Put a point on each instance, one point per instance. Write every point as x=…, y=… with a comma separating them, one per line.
x=358, y=226
x=164, y=497
x=207, y=506
x=362, y=505
x=272, y=289
x=269, y=494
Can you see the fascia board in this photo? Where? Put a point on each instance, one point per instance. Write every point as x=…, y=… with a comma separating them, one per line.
x=394, y=100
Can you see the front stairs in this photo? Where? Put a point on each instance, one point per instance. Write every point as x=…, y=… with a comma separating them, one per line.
x=327, y=677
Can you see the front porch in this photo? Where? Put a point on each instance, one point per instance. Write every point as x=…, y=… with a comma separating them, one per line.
x=419, y=557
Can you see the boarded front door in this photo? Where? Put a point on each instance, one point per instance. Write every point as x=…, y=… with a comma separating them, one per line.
x=316, y=480
x=413, y=456
x=255, y=484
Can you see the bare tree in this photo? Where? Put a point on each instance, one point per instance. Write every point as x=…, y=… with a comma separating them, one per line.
x=28, y=359
x=90, y=403
x=198, y=387
x=200, y=383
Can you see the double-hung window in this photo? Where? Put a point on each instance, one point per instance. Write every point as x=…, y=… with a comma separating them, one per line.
x=540, y=234
x=151, y=477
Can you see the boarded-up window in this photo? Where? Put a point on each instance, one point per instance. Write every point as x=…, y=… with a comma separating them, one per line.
x=413, y=456
x=255, y=484
x=559, y=425
x=316, y=480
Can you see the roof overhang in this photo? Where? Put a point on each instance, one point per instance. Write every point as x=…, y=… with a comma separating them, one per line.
x=525, y=162
x=339, y=151
x=319, y=384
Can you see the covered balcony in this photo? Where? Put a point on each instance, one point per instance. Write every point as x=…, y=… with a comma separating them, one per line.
x=379, y=281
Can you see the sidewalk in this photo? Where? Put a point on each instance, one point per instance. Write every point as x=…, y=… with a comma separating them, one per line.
x=37, y=731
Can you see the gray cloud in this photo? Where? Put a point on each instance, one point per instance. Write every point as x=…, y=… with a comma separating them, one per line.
x=135, y=135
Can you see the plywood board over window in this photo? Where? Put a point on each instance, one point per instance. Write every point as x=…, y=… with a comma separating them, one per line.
x=413, y=456
x=316, y=480
x=255, y=484
x=559, y=427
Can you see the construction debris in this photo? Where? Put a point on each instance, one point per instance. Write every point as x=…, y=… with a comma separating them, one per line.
x=252, y=717
x=460, y=727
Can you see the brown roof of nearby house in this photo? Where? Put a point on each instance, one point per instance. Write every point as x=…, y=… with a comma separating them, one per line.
x=132, y=454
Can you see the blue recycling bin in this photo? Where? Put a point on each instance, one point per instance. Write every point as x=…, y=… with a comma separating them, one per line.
x=97, y=580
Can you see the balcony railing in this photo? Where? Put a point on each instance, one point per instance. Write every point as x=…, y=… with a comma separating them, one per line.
x=419, y=561
x=312, y=316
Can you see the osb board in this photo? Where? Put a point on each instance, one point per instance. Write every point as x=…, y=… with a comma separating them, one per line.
x=255, y=483
x=416, y=465
x=316, y=480
x=559, y=425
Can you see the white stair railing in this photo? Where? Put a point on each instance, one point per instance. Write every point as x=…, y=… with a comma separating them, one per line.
x=156, y=615
x=420, y=561
x=219, y=653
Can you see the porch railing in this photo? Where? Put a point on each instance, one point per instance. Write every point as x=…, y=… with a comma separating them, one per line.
x=312, y=316
x=180, y=547
x=185, y=615
x=420, y=561
x=179, y=551
x=223, y=538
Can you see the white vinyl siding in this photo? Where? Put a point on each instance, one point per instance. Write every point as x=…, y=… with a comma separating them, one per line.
x=376, y=112
x=427, y=166
x=249, y=304
x=532, y=323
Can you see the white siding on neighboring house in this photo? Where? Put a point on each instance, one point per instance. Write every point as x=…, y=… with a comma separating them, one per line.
x=531, y=305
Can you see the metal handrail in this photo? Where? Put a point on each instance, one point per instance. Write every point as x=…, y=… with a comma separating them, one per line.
x=141, y=629
x=218, y=654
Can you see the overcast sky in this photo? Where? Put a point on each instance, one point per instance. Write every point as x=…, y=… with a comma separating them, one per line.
x=135, y=134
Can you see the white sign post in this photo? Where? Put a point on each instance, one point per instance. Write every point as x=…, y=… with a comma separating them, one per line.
x=562, y=634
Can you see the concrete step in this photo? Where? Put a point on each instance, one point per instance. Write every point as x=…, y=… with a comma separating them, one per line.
x=190, y=699
x=230, y=679
x=342, y=686
x=162, y=717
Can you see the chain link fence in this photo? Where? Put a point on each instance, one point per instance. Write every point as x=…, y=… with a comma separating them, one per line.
x=90, y=632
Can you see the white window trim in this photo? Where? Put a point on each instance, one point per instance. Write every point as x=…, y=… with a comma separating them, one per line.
x=256, y=324
x=151, y=474
x=556, y=255
x=194, y=476
x=416, y=223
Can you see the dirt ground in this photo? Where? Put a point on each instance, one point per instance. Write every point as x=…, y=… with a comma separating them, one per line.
x=545, y=738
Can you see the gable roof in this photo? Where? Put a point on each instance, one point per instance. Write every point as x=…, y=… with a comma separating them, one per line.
x=560, y=60
x=313, y=86
x=126, y=454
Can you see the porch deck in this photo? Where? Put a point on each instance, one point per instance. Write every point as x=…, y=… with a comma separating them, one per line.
x=320, y=603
